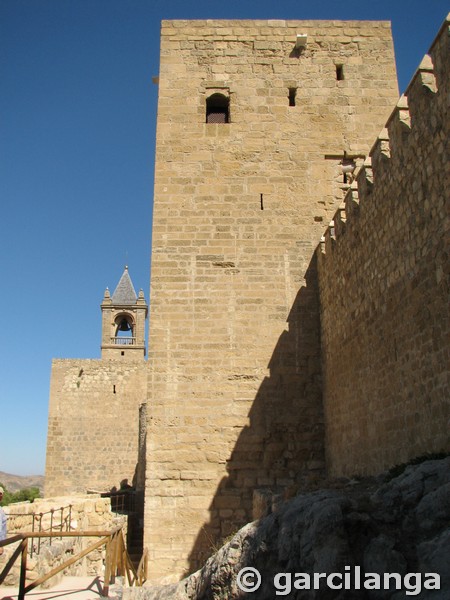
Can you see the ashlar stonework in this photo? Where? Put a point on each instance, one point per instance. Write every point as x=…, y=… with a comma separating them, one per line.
x=235, y=401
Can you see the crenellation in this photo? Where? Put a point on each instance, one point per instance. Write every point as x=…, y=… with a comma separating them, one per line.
x=392, y=143
x=351, y=202
x=439, y=53
x=384, y=316
x=364, y=179
x=340, y=221
x=421, y=90
x=399, y=128
x=380, y=153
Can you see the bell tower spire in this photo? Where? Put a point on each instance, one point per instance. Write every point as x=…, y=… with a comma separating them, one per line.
x=123, y=321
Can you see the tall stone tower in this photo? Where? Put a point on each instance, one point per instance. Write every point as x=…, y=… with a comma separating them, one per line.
x=260, y=124
x=94, y=439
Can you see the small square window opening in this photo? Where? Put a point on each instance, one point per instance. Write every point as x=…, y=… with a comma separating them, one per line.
x=218, y=109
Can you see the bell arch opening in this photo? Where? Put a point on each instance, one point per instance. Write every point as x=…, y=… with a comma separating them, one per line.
x=124, y=327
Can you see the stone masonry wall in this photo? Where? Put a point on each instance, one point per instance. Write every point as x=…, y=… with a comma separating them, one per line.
x=384, y=288
x=234, y=355
x=93, y=431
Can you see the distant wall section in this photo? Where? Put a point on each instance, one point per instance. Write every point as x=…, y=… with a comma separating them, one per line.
x=93, y=431
x=384, y=288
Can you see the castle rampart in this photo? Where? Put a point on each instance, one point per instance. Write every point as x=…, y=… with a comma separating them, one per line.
x=384, y=289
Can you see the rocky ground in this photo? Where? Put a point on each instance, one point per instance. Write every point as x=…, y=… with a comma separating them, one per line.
x=382, y=525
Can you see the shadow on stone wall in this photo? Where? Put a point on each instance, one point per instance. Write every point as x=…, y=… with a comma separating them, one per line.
x=283, y=446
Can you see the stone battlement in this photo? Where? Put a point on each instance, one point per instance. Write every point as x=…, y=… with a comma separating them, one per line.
x=419, y=114
x=383, y=288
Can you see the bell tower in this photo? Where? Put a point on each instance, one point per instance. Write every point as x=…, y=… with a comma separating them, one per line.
x=123, y=321
x=97, y=396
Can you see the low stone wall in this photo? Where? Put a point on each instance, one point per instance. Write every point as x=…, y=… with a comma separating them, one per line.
x=79, y=513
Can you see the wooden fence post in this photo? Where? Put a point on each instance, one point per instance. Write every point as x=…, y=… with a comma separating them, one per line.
x=23, y=569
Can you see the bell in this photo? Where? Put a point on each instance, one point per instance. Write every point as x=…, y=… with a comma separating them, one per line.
x=124, y=325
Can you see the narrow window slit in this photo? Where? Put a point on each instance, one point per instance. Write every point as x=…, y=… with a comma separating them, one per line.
x=114, y=389
x=340, y=72
x=262, y=202
x=292, y=95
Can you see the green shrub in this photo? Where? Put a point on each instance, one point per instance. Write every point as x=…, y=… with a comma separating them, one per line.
x=27, y=494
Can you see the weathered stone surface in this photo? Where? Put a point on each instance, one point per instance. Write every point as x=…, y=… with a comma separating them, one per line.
x=384, y=289
x=93, y=427
x=327, y=530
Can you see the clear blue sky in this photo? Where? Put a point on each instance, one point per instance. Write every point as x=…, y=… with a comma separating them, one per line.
x=77, y=129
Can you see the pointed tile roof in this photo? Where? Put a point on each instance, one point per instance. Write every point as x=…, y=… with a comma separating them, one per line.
x=124, y=292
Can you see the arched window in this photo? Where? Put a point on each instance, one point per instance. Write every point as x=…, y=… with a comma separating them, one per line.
x=124, y=333
x=217, y=109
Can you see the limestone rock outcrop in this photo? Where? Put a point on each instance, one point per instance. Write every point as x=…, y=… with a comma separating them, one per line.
x=399, y=525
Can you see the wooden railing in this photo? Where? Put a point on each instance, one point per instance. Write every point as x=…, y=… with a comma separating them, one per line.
x=117, y=560
x=55, y=519
x=63, y=523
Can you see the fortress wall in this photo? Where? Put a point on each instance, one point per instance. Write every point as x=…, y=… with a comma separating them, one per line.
x=234, y=355
x=384, y=289
x=93, y=424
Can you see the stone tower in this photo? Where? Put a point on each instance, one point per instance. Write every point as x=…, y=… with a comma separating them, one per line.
x=94, y=440
x=123, y=321
x=260, y=125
